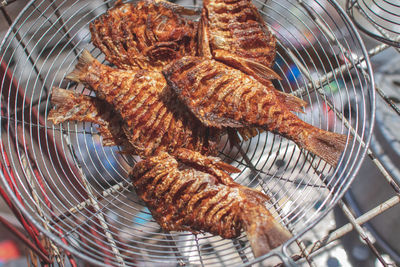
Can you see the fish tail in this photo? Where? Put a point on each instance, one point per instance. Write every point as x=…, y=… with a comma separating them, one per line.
x=84, y=61
x=59, y=96
x=263, y=231
x=327, y=145
x=61, y=99
x=292, y=102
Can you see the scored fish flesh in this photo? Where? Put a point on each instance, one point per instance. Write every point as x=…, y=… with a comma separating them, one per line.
x=192, y=192
x=221, y=96
x=145, y=35
x=153, y=118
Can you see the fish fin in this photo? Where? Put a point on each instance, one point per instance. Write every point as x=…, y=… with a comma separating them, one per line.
x=176, y=8
x=248, y=66
x=226, y=167
x=128, y=151
x=212, y=120
x=233, y=137
x=59, y=96
x=204, y=49
x=265, y=235
x=327, y=145
x=263, y=231
x=246, y=133
x=118, y=3
x=249, y=132
x=64, y=101
x=196, y=158
x=292, y=102
x=84, y=61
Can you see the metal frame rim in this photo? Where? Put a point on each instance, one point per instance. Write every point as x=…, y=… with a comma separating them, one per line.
x=361, y=158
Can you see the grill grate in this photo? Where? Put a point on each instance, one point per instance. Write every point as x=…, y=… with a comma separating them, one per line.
x=379, y=19
x=77, y=193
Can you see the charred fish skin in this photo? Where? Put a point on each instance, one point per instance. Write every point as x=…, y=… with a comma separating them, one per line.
x=145, y=35
x=192, y=196
x=234, y=32
x=153, y=120
x=238, y=27
x=72, y=106
x=220, y=96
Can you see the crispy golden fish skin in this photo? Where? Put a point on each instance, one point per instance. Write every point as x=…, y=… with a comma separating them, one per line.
x=235, y=33
x=221, y=96
x=72, y=106
x=153, y=118
x=192, y=192
x=145, y=35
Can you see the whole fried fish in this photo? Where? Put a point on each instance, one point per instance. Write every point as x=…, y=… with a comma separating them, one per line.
x=221, y=96
x=72, y=106
x=234, y=33
x=194, y=193
x=145, y=35
x=153, y=118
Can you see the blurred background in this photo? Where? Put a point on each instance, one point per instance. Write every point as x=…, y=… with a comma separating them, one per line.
x=370, y=188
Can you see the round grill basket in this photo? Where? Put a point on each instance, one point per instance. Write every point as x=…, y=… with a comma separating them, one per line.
x=380, y=19
x=77, y=192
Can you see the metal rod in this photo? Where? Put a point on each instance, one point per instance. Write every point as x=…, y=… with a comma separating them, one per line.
x=361, y=232
x=28, y=53
x=115, y=188
x=326, y=78
x=347, y=228
x=25, y=240
x=98, y=214
x=182, y=260
x=26, y=161
x=347, y=124
x=388, y=100
x=65, y=28
x=386, y=38
x=239, y=250
x=380, y=166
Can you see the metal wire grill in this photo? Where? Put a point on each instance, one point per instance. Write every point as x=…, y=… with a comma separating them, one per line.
x=379, y=19
x=76, y=191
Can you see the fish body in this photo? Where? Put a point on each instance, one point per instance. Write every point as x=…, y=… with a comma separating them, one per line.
x=145, y=35
x=153, y=119
x=72, y=106
x=221, y=96
x=235, y=33
x=191, y=192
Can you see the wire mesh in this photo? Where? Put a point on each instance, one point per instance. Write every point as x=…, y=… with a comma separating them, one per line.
x=379, y=19
x=76, y=191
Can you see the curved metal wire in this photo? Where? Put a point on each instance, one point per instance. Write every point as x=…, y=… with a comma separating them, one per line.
x=380, y=19
x=77, y=192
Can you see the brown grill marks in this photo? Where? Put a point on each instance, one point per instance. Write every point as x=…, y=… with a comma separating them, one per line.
x=146, y=35
x=152, y=118
x=71, y=106
x=196, y=194
x=220, y=96
x=238, y=100
x=237, y=27
x=170, y=108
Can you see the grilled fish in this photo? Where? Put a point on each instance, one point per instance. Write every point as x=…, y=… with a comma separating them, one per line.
x=234, y=33
x=153, y=118
x=221, y=96
x=194, y=193
x=146, y=35
x=72, y=106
